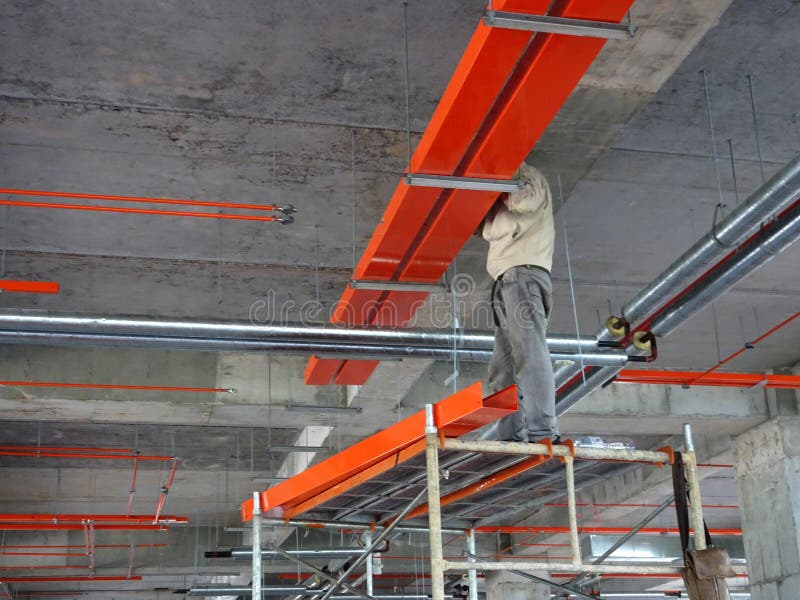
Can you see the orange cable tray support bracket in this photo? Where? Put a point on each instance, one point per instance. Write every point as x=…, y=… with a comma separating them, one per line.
x=456, y=415
x=505, y=91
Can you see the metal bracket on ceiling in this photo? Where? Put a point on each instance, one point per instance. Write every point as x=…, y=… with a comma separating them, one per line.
x=463, y=183
x=286, y=214
x=560, y=25
x=310, y=408
x=396, y=286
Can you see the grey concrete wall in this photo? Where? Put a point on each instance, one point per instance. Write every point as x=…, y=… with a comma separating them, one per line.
x=768, y=481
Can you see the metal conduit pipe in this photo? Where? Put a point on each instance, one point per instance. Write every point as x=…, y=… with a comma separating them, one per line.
x=246, y=553
x=29, y=320
x=222, y=590
x=771, y=241
x=765, y=203
x=611, y=356
x=28, y=327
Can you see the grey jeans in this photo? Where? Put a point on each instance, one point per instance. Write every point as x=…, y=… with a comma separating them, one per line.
x=521, y=299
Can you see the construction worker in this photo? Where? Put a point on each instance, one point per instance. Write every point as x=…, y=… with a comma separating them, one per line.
x=520, y=232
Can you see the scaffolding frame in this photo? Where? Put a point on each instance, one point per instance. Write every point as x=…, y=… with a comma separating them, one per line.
x=568, y=452
x=436, y=440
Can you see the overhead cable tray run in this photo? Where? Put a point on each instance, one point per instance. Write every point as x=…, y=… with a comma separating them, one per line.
x=490, y=116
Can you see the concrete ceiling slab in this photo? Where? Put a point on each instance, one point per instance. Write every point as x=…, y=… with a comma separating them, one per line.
x=169, y=100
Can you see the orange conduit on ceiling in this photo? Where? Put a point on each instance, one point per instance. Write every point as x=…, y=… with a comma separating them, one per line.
x=142, y=200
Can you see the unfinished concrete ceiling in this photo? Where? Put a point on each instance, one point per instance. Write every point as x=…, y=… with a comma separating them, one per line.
x=261, y=102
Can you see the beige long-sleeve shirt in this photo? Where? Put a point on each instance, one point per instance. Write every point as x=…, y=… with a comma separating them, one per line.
x=520, y=231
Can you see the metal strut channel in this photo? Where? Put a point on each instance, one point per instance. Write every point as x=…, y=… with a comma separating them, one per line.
x=559, y=25
x=463, y=183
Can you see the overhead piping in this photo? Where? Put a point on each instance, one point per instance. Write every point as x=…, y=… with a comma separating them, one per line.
x=765, y=203
x=56, y=518
x=88, y=453
x=769, y=242
x=284, y=217
x=115, y=386
x=245, y=552
x=29, y=327
x=777, y=199
x=225, y=590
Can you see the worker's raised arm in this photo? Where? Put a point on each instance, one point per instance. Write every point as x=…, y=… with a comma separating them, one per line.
x=535, y=194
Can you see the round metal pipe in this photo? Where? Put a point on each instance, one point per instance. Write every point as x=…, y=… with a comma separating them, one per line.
x=267, y=554
x=323, y=524
x=765, y=203
x=594, y=379
x=222, y=590
x=26, y=327
x=25, y=320
x=769, y=243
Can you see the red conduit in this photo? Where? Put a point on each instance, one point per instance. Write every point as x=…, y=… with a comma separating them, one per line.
x=597, y=530
x=115, y=386
x=43, y=553
x=79, y=527
x=137, y=211
x=132, y=488
x=632, y=505
x=78, y=518
x=29, y=287
x=162, y=497
x=632, y=576
x=138, y=199
x=65, y=579
x=36, y=567
x=746, y=347
x=66, y=449
x=708, y=379
x=88, y=453
x=45, y=547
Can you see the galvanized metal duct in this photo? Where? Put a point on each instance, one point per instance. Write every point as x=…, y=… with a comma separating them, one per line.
x=771, y=241
x=765, y=203
x=33, y=327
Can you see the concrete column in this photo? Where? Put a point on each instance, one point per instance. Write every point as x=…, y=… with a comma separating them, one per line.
x=502, y=585
x=768, y=482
